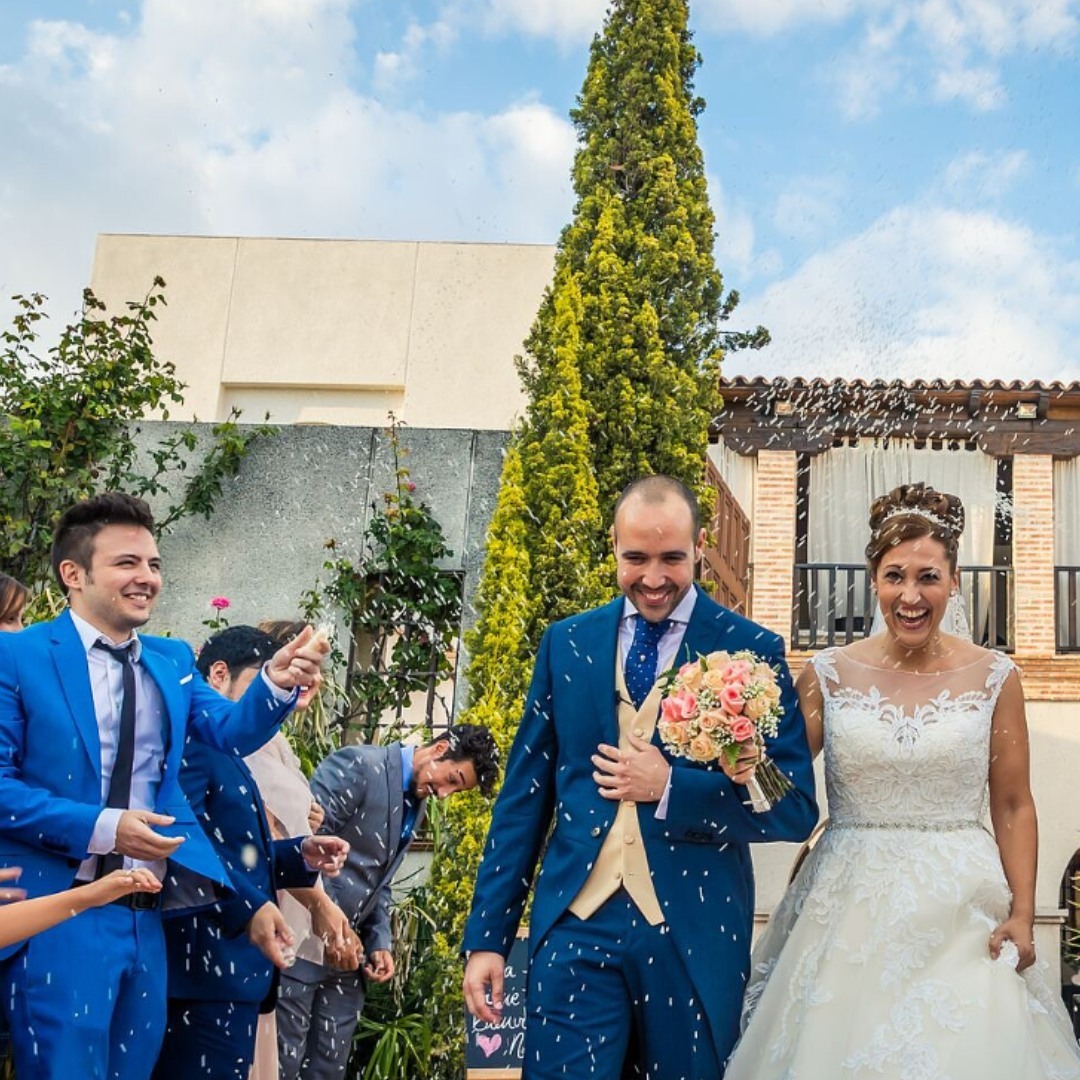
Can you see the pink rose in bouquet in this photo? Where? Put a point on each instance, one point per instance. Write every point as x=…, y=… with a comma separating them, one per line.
x=742, y=729
x=731, y=698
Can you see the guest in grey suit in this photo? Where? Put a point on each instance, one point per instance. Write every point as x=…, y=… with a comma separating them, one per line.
x=374, y=797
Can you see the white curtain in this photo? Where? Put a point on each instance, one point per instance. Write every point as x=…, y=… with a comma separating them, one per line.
x=739, y=474
x=1066, y=536
x=844, y=482
x=1067, y=512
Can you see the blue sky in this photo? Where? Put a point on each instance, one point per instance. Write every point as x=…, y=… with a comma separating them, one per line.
x=897, y=182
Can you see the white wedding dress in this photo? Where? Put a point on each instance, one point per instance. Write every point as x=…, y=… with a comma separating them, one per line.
x=875, y=965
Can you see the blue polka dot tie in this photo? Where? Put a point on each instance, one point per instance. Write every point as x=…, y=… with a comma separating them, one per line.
x=640, y=668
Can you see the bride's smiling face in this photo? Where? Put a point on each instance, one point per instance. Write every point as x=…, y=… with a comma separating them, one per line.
x=914, y=581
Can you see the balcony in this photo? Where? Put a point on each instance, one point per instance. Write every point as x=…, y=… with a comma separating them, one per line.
x=1067, y=620
x=834, y=605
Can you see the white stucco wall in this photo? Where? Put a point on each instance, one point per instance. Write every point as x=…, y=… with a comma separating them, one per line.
x=336, y=331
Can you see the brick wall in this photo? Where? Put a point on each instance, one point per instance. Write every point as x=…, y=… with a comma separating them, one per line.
x=774, y=540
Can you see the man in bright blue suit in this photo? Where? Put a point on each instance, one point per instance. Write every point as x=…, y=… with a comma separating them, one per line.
x=643, y=908
x=93, y=721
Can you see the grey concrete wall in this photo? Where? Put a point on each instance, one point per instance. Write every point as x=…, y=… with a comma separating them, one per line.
x=265, y=543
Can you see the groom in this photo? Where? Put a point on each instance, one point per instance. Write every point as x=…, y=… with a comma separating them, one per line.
x=642, y=915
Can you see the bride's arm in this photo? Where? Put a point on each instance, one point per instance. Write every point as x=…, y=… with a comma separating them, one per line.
x=1012, y=811
x=812, y=704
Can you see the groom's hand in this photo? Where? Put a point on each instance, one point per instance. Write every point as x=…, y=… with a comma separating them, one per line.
x=483, y=970
x=638, y=774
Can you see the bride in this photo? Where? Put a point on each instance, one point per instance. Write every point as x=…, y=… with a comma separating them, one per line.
x=904, y=949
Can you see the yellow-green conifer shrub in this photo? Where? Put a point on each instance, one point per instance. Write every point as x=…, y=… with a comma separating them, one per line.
x=620, y=370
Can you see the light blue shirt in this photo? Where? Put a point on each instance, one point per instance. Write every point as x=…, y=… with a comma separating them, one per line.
x=410, y=806
x=666, y=653
x=107, y=687
x=670, y=643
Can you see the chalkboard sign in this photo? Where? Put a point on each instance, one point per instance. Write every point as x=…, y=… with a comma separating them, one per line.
x=497, y=1051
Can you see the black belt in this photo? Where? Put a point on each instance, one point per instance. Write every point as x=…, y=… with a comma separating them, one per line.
x=137, y=901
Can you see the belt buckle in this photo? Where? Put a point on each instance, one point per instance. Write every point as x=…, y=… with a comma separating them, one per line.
x=139, y=901
x=145, y=901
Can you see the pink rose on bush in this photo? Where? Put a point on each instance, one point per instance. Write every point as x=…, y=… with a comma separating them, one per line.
x=731, y=698
x=220, y=603
x=742, y=730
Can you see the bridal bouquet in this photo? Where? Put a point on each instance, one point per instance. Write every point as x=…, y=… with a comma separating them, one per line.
x=716, y=705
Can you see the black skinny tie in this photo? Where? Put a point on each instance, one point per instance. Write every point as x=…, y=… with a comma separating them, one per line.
x=120, y=782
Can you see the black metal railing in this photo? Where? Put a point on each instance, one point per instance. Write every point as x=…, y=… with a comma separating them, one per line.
x=1066, y=608
x=834, y=604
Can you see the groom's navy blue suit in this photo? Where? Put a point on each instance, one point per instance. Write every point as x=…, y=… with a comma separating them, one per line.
x=698, y=854
x=87, y=998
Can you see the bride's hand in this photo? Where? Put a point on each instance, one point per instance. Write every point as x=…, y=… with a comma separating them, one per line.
x=1022, y=934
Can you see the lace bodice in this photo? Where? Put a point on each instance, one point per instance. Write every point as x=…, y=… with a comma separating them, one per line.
x=908, y=747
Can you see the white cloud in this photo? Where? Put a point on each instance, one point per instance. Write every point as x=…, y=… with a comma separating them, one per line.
x=735, y=239
x=978, y=175
x=394, y=69
x=568, y=22
x=951, y=49
x=236, y=117
x=777, y=16
x=809, y=206
x=980, y=87
x=925, y=292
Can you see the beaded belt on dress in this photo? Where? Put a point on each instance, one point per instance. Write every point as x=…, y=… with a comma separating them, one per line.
x=920, y=826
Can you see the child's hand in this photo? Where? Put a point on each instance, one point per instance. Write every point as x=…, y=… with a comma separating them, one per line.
x=119, y=883
x=11, y=873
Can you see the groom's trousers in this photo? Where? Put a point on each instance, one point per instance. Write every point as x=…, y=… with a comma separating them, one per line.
x=594, y=981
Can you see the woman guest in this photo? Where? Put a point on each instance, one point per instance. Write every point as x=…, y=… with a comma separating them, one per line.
x=13, y=598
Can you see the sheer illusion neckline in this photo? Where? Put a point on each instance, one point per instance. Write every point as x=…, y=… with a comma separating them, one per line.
x=988, y=654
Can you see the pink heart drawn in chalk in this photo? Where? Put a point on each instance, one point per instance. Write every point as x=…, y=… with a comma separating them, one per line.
x=489, y=1043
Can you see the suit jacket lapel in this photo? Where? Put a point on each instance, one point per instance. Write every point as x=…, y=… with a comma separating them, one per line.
x=73, y=673
x=395, y=797
x=706, y=630
x=164, y=675
x=598, y=648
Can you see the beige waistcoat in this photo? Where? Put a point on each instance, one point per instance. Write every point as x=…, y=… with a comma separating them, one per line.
x=622, y=860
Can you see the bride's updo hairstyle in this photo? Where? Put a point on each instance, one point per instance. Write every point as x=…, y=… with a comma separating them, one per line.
x=910, y=512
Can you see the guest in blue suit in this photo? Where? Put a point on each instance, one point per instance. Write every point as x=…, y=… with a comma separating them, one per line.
x=643, y=908
x=93, y=722
x=222, y=959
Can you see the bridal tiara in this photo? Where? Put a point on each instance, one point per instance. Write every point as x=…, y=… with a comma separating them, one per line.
x=916, y=511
